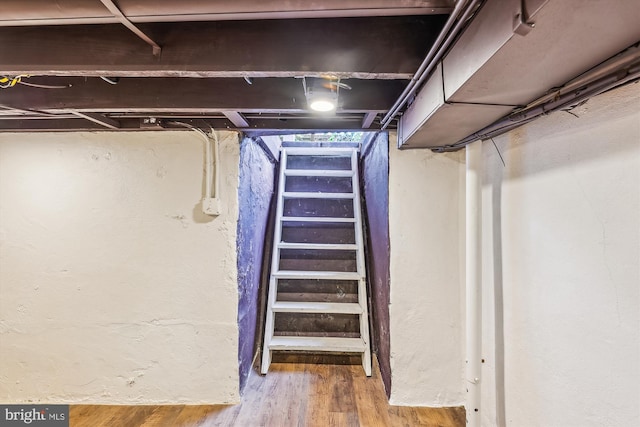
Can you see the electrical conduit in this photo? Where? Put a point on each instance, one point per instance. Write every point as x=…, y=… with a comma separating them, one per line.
x=473, y=286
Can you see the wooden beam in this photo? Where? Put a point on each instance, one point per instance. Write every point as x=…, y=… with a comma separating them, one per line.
x=374, y=47
x=192, y=96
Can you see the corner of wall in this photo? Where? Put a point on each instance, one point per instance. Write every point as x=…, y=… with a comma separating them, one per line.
x=255, y=194
x=425, y=311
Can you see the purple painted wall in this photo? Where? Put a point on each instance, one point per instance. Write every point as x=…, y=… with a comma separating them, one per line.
x=255, y=192
x=374, y=171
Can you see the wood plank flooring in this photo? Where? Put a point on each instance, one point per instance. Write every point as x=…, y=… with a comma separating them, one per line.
x=298, y=391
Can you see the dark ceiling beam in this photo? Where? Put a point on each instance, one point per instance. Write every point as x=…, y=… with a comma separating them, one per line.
x=371, y=48
x=128, y=124
x=74, y=12
x=48, y=125
x=319, y=124
x=191, y=96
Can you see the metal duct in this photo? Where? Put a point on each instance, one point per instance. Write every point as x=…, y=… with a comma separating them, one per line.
x=563, y=101
x=492, y=70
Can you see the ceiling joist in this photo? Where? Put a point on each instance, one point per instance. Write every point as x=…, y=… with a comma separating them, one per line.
x=76, y=12
x=226, y=65
x=193, y=96
x=66, y=124
x=366, y=48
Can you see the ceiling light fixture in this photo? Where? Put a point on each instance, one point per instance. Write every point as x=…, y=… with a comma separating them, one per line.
x=323, y=104
x=322, y=95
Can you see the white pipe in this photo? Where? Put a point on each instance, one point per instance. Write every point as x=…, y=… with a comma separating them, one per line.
x=215, y=161
x=473, y=281
x=211, y=204
x=207, y=167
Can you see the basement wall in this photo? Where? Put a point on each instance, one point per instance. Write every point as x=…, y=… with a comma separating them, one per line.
x=114, y=287
x=561, y=279
x=374, y=169
x=255, y=194
x=426, y=321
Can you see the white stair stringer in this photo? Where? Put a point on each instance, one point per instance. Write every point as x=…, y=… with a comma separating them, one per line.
x=272, y=342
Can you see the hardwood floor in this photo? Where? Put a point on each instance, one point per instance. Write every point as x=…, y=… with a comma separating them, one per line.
x=306, y=391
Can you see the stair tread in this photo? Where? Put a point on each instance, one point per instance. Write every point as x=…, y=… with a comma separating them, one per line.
x=317, y=307
x=332, y=344
x=335, y=275
x=319, y=151
x=321, y=144
x=319, y=172
x=316, y=195
x=319, y=246
x=316, y=219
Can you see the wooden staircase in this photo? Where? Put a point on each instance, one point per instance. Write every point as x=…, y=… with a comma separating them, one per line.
x=317, y=298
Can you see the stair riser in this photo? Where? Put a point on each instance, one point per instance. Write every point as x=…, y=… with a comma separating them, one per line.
x=319, y=207
x=319, y=233
x=336, y=291
x=314, y=183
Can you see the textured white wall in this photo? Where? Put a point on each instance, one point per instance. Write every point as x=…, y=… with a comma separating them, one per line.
x=565, y=262
x=114, y=287
x=425, y=311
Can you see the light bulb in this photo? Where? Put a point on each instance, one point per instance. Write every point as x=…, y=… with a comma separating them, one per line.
x=322, y=105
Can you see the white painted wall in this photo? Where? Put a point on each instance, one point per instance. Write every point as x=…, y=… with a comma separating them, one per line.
x=425, y=313
x=114, y=287
x=569, y=200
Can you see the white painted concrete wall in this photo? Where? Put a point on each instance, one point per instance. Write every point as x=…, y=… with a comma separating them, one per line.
x=565, y=263
x=425, y=314
x=114, y=287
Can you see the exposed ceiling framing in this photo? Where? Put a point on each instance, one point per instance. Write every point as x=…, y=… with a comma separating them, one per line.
x=224, y=64
x=449, y=71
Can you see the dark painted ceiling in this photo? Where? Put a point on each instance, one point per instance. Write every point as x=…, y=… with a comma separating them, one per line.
x=222, y=64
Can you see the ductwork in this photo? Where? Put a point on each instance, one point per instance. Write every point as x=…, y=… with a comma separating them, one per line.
x=455, y=22
x=513, y=52
x=68, y=12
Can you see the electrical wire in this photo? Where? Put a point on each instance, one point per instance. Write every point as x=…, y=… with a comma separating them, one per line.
x=339, y=84
x=499, y=153
x=41, y=86
x=210, y=160
x=109, y=80
x=7, y=82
